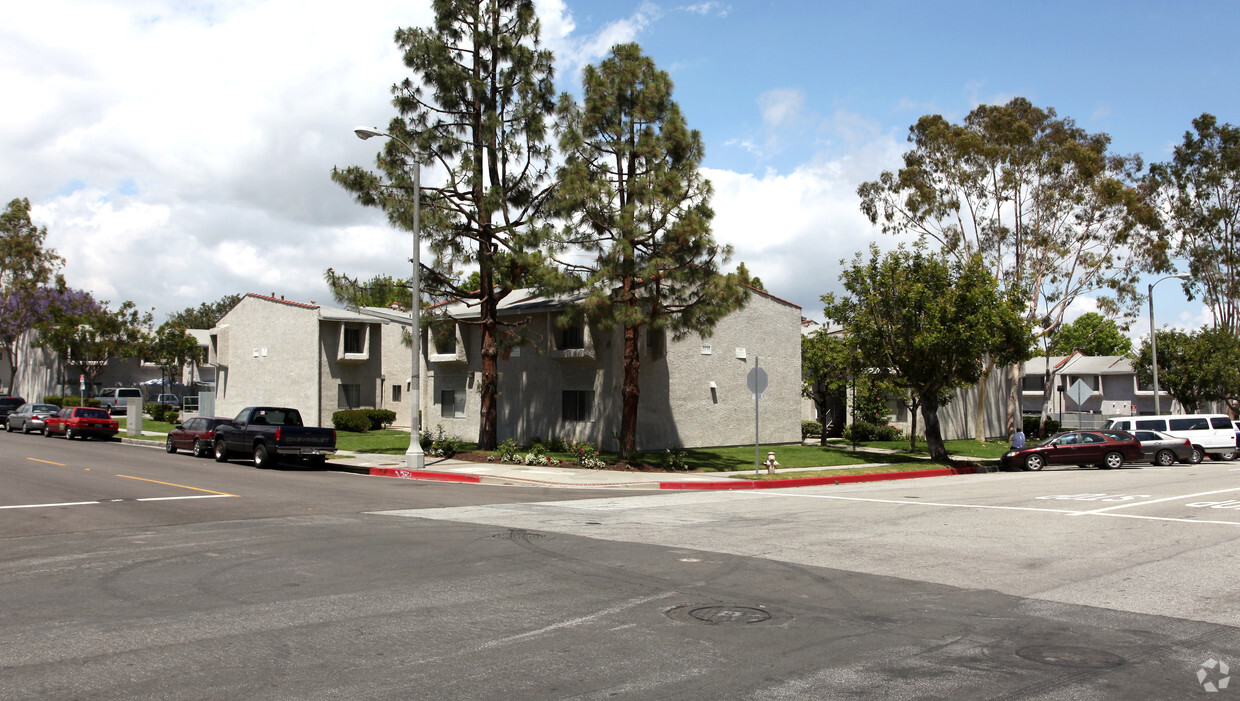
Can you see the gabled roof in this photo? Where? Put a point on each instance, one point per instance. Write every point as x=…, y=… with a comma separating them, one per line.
x=324, y=313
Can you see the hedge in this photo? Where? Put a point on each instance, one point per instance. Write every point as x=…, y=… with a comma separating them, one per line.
x=362, y=420
x=71, y=401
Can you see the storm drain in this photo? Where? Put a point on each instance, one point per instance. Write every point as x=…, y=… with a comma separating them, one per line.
x=1066, y=656
x=722, y=615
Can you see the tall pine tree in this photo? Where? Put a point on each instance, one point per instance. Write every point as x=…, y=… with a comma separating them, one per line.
x=477, y=110
x=635, y=203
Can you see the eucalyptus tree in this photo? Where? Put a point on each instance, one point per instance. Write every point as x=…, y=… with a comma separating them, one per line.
x=1194, y=367
x=1052, y=213
x=476, y=110
x=636, y=205
x=205, y=315
x=29, y=280
x=1198, y=193
x=922, y=322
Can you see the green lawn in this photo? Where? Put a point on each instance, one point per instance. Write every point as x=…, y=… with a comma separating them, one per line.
x=967, y=448
x=386, y=442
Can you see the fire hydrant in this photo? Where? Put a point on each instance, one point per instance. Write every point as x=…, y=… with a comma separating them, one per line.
x=771, y=463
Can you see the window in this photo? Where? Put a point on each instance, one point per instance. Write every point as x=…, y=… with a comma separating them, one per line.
x=1152, y=424
x=1199, y=423
x=1033, y=383
x=656, y=341
x=576, y=404
x=350, y=396
x=396, y=393
x=452, y=403
x=353, y=342
x=571, y=338
x=1222, y=422
x=444, y=338
x=1147, y=386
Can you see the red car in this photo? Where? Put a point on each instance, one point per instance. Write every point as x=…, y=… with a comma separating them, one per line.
x=81, y=422
x=1108, y=450
x=196, y=435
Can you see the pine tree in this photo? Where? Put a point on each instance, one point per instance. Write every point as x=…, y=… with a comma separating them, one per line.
x=477, y=111
x=635, y=202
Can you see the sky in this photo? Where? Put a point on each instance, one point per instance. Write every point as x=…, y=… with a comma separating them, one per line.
x=178, y=152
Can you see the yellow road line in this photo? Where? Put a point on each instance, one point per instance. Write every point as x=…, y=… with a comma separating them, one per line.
x=170, y=484
x=49, y=462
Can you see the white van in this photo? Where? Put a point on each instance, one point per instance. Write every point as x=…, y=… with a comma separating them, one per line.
x=1210, y=434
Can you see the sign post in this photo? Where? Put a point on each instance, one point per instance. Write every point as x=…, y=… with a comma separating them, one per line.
x=1078, y=393
x=757, y=382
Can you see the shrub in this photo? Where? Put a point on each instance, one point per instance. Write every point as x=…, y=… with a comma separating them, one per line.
x=556, y=444
x=58, y=401
x=70, y=401
x=158, y=412
x=677, y=459
x=810, y=428
x=865, y=432
x=172, y=416
x=585, y=455
x=380, y=418
x=353, y=420
x=1031, y=425
x=443, y=445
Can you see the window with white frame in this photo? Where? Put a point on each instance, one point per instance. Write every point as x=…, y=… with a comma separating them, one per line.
x=1033, y=383
x=354, y=342
x=452, y=403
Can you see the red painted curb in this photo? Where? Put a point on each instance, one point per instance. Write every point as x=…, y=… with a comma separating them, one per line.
x=814, y=481
x=422, y=475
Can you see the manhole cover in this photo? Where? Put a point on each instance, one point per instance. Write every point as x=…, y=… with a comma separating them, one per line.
x=729, y=614
x=1065, y=656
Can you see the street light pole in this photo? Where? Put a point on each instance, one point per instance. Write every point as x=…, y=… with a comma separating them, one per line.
x=1154, y=337
x=415, y=459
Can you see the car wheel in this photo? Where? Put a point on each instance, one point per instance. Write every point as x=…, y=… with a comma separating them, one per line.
x=1034, y=462
x=47, y=432
x=221, y=452
x=1229, y=455
x=1196, y=456
x=168, y=446
x=262, y=456
x=69, y=434
x=1165, y=458
x=1113, y=461
x=25, y=429
x=8, y=427
x=200, y=451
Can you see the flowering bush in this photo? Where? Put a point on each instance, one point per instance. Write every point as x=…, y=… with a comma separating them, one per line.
x=585, y=455
x=511, y=453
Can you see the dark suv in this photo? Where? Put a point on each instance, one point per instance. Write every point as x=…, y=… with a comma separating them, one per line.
x=8, y=404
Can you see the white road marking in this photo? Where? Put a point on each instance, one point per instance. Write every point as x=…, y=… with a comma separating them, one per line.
x=194, y=496
x=40, y=506
x=109, y=501
x=1155, y=501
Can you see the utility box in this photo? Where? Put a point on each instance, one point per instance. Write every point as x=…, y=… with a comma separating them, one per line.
x=133, y=416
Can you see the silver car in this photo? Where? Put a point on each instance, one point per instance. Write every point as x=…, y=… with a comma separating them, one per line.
x=29, y=417
x=1165, y=450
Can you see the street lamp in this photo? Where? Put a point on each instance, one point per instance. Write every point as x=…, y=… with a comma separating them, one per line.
x=415, y=459
x=1154, y=336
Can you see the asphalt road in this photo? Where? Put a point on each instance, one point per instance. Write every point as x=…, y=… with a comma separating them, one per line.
x=285, y=584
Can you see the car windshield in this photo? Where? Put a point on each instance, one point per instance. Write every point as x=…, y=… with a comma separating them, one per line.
x=46, y=408
x=93, y=414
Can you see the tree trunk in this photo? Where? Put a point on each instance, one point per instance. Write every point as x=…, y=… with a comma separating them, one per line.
x=489, y=389
x=630, y=392
x=1015, y=413
x=979, y=422
x=934, y=434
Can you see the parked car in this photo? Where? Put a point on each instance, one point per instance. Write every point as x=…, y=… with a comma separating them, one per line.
x=1077, y=448
x=8, y=404
x=81, y=422
x=267, y=433
x=1165, y=450
x=115, y=399
x=29, y=417
x=1211, y=434
x=196, y=435
x=170, y=399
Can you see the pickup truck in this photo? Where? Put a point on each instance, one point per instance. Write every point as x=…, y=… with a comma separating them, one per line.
x=267, y=433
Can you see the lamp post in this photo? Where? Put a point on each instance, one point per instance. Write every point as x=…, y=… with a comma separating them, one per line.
x=415, y=459
x=1154, y=336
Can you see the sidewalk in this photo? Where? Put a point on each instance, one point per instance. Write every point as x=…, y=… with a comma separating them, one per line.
x=449, y=470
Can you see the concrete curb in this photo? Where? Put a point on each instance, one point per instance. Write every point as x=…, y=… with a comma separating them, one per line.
x=402, y=473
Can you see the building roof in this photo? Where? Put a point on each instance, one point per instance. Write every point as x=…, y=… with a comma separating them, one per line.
x=1080, y=364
